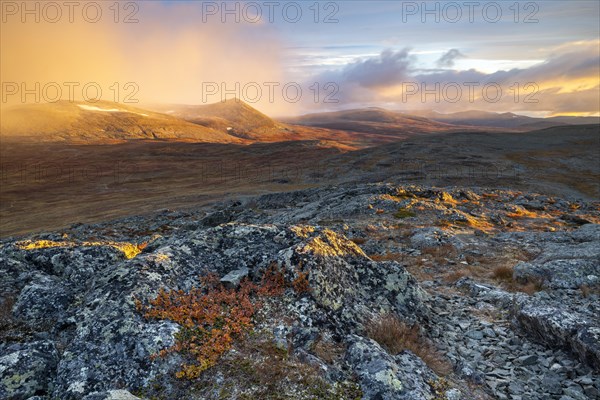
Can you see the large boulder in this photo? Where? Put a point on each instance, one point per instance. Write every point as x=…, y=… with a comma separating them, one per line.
x=347, y=283
x=557, y=326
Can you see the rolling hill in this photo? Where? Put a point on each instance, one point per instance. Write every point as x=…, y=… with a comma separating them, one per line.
x=231, y=122
x=506, y=120
x=401, y=123
x=232, y=116
x=100, y=122
x=376, y=120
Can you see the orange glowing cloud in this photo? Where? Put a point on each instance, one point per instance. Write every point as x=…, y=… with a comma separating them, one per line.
x=169, y=55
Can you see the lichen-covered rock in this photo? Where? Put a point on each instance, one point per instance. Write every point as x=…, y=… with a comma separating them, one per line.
x=111, y=395
x=112, y=342
x=565, y=260
x=347, y=282
x=429, y=237
x=45, y=298
x=562, y=274
x=549, y=324
x=386, y=377
x=109, y=339
x=566, y=263
x=587, y=345
x=27, y=369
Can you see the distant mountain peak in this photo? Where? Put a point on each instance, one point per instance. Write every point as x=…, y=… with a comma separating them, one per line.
x=232, y=116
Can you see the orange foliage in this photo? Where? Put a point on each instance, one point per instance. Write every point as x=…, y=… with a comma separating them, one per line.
x=210, y=320
x=300, y=284
x=273, y=282
x=211, y=317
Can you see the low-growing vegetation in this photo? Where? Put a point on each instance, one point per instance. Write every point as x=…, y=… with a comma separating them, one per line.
x=301, y=284
x=387, y=257
x=504, y=274
x=260, y=369
x=587, y=290
x=213, y=317
x=129, y=250
x=328, y=350
x=454, y=276
x=440, y=253
x=395, y=336
x=359, y=240
x=440, y=387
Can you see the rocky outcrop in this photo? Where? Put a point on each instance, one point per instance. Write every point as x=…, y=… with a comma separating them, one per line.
x=566, y=261
x=557, y=325
x=349, y=284
x=108, y=341
x=74, y=331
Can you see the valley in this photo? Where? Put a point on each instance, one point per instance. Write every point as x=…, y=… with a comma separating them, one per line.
x=139, y=161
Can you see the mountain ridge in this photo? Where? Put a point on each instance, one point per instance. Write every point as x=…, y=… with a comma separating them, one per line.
x=102, y=121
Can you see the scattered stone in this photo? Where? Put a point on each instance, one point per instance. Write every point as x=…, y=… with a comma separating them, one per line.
x=233, y=279
x=528, y=360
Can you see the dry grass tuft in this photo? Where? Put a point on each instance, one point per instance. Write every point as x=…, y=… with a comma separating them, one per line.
x=440, y=253
x=327, y=350
x=503, y=273
x=396, y=336
x=359, y=240
x=531, y=286
x=587, y=291
x=454, y=276
x=387, y=257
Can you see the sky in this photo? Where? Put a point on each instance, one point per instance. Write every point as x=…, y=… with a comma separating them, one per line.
x=535, y=58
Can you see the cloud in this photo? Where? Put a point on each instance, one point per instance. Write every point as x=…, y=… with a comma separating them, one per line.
x=447, y=59
x=567, y=81
x=172, y=52
x=389, y=66
x=169, y=54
